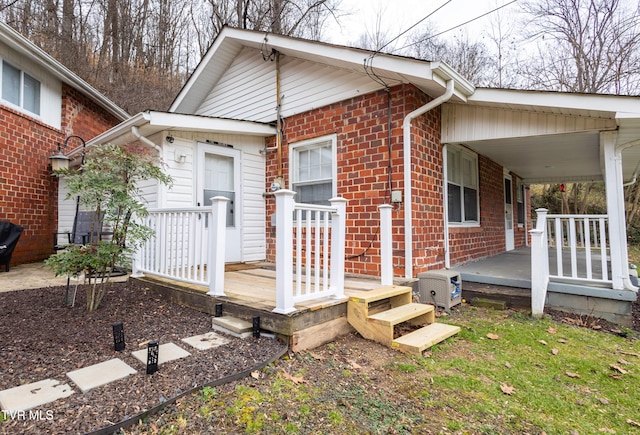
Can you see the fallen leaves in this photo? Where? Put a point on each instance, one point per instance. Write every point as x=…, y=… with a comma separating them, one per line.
x=491, y=336
x=507, y=389
x=554, y=351
x=294, y=379
x=618, y=368
x=633, y=423
x=542, y=342
x=572, y=375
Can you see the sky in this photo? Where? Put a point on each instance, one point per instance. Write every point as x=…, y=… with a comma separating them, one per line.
x=399, y=15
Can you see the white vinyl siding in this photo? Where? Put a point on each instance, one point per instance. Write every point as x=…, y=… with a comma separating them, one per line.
x=462, y=186
x=463, y=123
x=247, y=89
x=183, y=191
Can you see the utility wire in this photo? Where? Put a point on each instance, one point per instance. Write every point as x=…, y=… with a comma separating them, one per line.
x=426, y=17
x=457, y=26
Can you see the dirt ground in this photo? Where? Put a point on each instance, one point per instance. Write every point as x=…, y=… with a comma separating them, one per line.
x=41, y=338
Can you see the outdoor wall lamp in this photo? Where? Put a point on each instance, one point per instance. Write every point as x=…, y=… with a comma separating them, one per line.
x=59, y=161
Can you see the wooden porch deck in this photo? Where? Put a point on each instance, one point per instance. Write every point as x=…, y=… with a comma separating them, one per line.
x=250, y=290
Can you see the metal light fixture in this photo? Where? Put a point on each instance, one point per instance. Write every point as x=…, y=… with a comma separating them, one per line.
x=59, y=161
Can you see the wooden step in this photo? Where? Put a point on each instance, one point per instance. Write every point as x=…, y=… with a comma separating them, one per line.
x=417, y=341
x=386, y=292
x=416, y=312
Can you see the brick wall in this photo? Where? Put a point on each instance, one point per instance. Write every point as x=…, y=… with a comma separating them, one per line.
x=364, y=167
x=28, y=192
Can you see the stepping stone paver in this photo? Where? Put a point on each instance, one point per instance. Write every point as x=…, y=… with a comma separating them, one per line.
x=29, y=396
x=166, y=352
x=100, y=374
x=206, y=341
x=232, y=326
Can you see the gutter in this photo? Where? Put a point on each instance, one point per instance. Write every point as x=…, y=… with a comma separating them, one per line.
x=408, y=202
x=137, y=135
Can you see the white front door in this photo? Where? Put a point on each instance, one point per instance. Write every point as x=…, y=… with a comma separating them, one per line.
x=219, y=175
x=508, y=213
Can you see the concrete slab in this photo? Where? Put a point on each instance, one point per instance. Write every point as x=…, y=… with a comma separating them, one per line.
x=206, y=341
x=29, y=396
x=94, y=376
x=35, y=275
x=166, y=352
x=232, y=326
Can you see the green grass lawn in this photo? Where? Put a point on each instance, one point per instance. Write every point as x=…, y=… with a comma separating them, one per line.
x=503, y=374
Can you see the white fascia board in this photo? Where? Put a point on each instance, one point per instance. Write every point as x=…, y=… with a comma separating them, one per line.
x=152, y=122
x=22, y=45
x=178, y=121
x=116, y=133
x=567, y=100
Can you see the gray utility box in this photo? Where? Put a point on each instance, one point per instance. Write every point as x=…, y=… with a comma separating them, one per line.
x=442, y=288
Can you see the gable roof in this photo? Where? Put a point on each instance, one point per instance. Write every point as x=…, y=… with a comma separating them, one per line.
x=430, y=77
x=28, y=49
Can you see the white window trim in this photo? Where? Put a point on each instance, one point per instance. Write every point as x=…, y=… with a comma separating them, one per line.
x=310, y=143
x=520, y=198
x=459, y=150
x=20, y=107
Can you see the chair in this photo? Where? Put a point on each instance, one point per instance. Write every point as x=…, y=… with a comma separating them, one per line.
x=9, y=236
x=88, y=227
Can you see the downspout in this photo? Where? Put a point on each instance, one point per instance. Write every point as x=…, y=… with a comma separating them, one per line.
x=137, y=135
x=445, y=195
x=408, y=201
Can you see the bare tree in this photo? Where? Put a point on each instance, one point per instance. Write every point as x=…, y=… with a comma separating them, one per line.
x=469, y=58
x=584, y=46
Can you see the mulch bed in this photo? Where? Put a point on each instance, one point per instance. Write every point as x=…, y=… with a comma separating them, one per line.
x=41, y=338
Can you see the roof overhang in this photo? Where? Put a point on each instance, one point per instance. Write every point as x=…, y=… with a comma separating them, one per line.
x=430, y=77
x=149, y=123
x=562, y=156
x=26, y=48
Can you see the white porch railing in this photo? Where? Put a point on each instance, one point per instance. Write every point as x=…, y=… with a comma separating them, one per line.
x=311, y=238
x=577, y=246
x=188, y=245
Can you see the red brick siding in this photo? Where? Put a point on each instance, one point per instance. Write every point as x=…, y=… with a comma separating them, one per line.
x=28, y=192
x=360, y=125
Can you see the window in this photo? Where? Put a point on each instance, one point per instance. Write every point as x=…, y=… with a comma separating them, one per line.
x=521, y=196
x=462, y=186
x=313, y=170
x=20, y=89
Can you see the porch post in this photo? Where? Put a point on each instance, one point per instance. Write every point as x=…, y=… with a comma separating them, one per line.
x=386, y=245
x=615, y=209
x=217, y=245
x=137, y=257
x=284, y=251
x=136, y=261
x=338, y=223
x=539, y=264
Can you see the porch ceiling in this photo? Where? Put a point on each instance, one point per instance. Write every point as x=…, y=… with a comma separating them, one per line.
x=550, y=158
